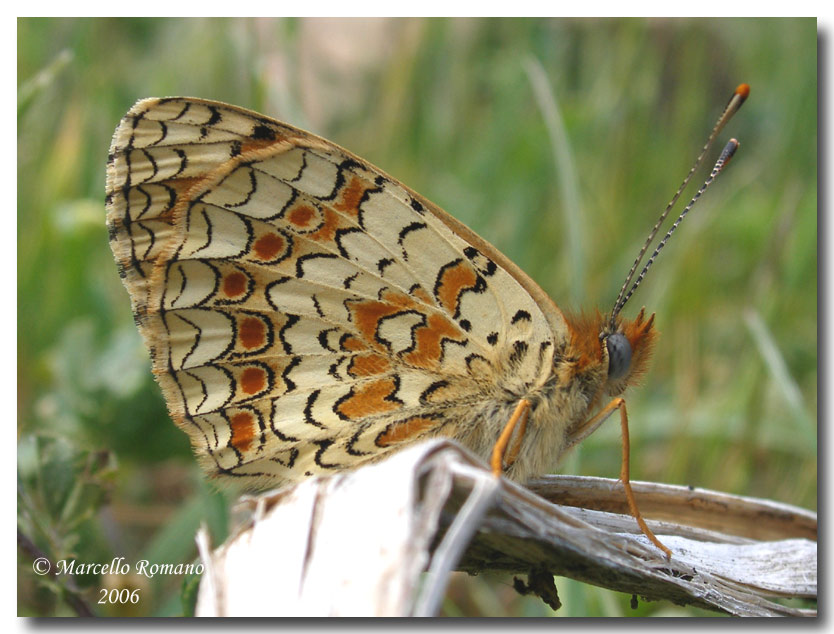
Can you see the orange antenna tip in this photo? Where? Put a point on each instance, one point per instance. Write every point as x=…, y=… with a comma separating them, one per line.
x=743, y=90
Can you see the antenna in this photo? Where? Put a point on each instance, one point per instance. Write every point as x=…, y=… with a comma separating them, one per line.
x=739, y=96
x=720, y=164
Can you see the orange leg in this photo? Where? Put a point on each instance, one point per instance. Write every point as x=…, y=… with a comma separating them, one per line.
x=585, y=429
x=520, y=415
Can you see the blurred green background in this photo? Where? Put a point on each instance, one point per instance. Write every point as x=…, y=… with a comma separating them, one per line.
x=559, y=141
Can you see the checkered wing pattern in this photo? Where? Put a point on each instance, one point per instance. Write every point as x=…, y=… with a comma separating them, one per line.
x=305, y=311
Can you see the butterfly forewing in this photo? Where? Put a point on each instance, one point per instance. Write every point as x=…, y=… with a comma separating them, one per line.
x=304, y=310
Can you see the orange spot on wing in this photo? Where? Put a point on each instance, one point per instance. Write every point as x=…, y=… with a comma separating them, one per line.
x=243, y=431
x=421, y=294
x=301, y=216
x=252, y=333
x=351, y=196
x=268, y=246
x=327, y=231
x=259, y=144
x=352, y=344
x=454, y=280
x=369, y=365
x=253, y=380
x=373, y=398
x=429, y=339
x=234, y=284
x=404, y=431
x=366, y=316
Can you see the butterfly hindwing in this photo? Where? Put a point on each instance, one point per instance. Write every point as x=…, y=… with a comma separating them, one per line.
x=304, y=310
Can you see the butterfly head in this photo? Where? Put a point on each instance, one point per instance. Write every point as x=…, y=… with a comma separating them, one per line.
x=612, y=354
x=627, y=345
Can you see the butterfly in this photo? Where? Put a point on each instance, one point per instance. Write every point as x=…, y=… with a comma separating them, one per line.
x=305, y=312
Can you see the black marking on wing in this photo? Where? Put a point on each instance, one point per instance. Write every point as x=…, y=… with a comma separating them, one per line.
x=479, y=287
x=163, y=127
x=481, y=262
x=199, y=334
x=299, y=264
x=366, y=195
x=448, y=340
x=215, y=116
x=261, y=426
x=281, y=435
x=289, y=464
x=344, y=338
x=341, y=233
x=353, y=440
x=209, y=226
x=149, y=157
x=414, y=226
x=253, y=187
x=382, y=264
x=518, y=353
x=308, y=410
x=323, y=445
x=417, y=325
x=264, y=133
x=425, y=397
x=172, y=198
x=287, y=205
x=224, y=415
x=291, y=321
x=470, y=359
x=210, y=296
x=323, y=339
x=229, y=398
x=285, y=375
x=268, y=292
x=183, y=163
x=141, y=190
x=333, y=370
x=185, y=107
x=301, y=169
x=339, y=182
x=180, y=290
x=349, y=280
x=201, y=429
x=521, y=314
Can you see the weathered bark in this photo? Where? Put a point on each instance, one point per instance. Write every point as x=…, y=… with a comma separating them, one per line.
x=357, y=543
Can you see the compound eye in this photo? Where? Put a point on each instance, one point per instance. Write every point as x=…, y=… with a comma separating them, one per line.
x=619, y=355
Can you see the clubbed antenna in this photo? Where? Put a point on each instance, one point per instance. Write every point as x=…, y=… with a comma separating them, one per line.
x=739, y=96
